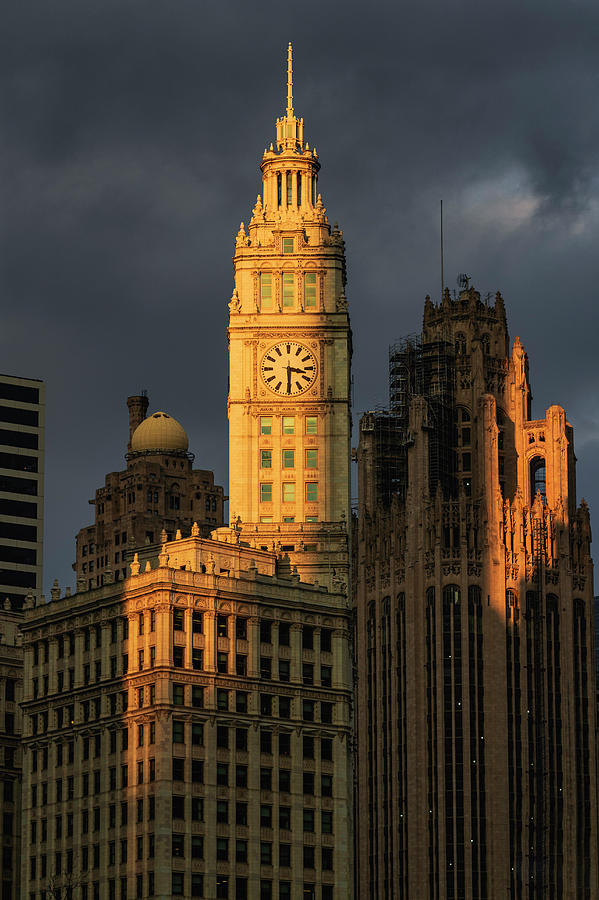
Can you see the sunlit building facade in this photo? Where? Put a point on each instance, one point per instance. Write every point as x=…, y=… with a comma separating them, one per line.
x=188, y=727
x=476, y=717
x=160, y=490
x=187, y=733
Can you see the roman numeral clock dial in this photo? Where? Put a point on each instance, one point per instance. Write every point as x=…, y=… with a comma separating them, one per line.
x=288, y=369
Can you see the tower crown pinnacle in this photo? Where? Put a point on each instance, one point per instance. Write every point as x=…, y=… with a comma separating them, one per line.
x=290, y=129
x=290, y=81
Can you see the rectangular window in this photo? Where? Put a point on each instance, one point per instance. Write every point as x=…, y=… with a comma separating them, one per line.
x=177, y=620
x=288, y=459
x=310, y=290
x=284, y=670
x=266, y=290
x=265, y=816
x=288, y=242
x=288, y=424
x=222, y=662
x=222, y=699
x=311, y=425
x=288, y=492
x=309, y=820
x=288, y=289
x=265, y=424
x=311, y=459
x=197, y=696
x=197, y=846
x=266, y=493
x=266, y=520
x=178, y=694
x=266, y=459
x=196, y=622
x=311, y=491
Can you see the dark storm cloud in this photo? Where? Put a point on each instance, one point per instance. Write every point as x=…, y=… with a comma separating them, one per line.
x=132, y=136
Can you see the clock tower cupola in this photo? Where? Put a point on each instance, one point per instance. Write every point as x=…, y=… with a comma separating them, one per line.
x=289, y=367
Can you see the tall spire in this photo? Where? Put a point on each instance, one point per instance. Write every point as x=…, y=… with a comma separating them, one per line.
x=290, y=81
x=290, y=129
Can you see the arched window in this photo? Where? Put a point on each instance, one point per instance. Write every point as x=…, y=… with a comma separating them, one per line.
x=279, y=188
x=538, y=479
x=451, y=594
x=511, y=604
x=486, y=344
x=299, y=188
x=174, y=501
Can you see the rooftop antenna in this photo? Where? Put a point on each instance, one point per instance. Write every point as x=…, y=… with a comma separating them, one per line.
x=442, y=273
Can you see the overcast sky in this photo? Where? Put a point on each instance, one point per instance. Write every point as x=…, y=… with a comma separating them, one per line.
x=131, y=140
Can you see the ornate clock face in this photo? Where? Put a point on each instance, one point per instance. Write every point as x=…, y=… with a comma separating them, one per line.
x=288, y=369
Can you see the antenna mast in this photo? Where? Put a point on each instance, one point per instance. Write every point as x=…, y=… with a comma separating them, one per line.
x=442, y=273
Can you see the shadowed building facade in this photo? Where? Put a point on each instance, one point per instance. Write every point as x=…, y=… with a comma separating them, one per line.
x=474, y=606
x=22, y=414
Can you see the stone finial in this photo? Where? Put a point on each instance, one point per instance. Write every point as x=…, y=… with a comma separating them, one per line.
x=242, y=239
x=178, y=534
x=163, y=536
x=7, y=603
x=195, y=530
x=234, y=302
x=163, y=558
x=148, y=567
x=29, y=603
x=55, y=590
x=42, y=600
x=81, y=583
x=67, y=591
x=135, y=565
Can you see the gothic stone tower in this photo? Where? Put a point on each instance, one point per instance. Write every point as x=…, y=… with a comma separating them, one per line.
x=290, y=351
x=474, y=592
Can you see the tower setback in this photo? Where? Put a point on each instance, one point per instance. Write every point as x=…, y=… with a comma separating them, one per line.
x=474, y=604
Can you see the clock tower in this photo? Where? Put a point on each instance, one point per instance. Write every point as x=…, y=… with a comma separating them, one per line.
x=289, y=368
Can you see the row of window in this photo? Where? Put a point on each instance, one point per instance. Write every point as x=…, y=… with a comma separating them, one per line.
x=288, y=425
x=288, y=459
x=309, y=741
x=65, y=644
x=288, y=288
x=226, y=888
x=288, y=492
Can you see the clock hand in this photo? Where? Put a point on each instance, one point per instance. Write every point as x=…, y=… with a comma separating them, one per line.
x=289, y=371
